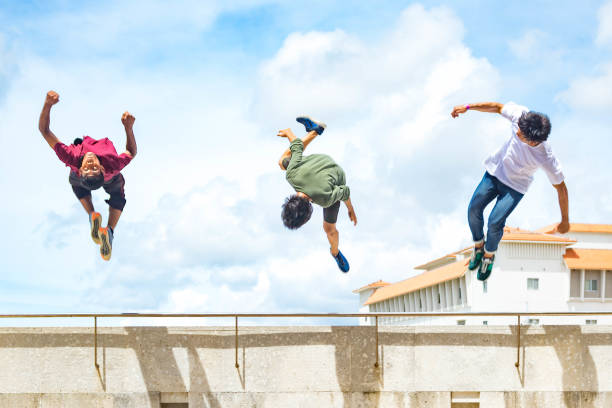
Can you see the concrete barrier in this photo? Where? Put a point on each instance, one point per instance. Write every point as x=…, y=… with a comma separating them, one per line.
x=450, y=367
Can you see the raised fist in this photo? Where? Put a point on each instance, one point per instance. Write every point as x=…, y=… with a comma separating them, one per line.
x=52, y=98
x=458, y=110
x=127, y=119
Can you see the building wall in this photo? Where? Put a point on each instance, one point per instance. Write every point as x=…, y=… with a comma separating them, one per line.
x=559, y=289
x=591, y=240
x=307, y=366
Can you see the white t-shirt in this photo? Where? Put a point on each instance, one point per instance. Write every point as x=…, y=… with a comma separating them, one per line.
x=515, y=162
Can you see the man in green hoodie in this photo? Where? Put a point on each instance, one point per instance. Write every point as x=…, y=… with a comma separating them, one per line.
x=315, y=178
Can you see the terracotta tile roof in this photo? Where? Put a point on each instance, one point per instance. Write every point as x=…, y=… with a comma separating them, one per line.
x=577, y=258
x=423, y=280
x=373, y=285
x=517, y=234
x=576, y=227
x=450, y=257
x=510, y=234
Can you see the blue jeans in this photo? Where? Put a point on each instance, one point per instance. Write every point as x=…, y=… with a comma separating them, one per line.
x=507, y=200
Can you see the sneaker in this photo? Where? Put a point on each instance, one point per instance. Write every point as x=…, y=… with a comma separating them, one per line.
x=486, y=267
x=95, y=222
x=342, y=262
x=476, y=257
x=106, y=244
x=311, y=125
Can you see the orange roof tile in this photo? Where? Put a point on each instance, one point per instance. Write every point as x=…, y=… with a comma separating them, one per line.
x=510, y=234
x=576, y=227
x=423, y=280
x=517, y=234
x=577, y=258
x=449, y=257
x=373, y=285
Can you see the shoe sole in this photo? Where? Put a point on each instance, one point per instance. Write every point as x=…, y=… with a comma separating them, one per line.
x=105, y=246
x=95, y=227
x=323, y=125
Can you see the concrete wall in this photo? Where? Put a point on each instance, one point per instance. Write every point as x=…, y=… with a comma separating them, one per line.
x=561, y=366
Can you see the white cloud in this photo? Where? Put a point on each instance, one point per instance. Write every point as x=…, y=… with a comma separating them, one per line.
x=202, y=231
x=604, y=30
x=529, y=46
x=590, y=92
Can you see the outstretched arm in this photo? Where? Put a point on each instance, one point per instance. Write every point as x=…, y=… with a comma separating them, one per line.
x=288, y=133
x=491, y=107
x=564, y=225
x=351, y=210
x=128, y=123
x=45, y=118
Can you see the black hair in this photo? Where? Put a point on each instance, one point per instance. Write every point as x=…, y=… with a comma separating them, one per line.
x=93, y=182
x=296, y=211
x=535, y=126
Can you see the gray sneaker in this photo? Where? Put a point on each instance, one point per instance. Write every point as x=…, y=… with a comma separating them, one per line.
x=95, y=222
x=106, y=244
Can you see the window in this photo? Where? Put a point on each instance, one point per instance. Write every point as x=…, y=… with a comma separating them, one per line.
x=590, y=285
x=460, y=322
x=420, y=304
x=485, y=322
x=485, y=286
x=591, y=321
x=533, y=322
x=533, y=283
x=459, y=292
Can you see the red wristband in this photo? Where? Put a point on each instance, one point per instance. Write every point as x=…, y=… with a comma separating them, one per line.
x=467, y=107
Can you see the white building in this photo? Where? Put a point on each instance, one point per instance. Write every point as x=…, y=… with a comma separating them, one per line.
x=533, y=272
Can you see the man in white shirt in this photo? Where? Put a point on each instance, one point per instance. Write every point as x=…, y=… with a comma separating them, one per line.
x=509, y=172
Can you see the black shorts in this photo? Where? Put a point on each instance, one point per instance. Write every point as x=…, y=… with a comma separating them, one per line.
x=330, y=214
x=114, y=187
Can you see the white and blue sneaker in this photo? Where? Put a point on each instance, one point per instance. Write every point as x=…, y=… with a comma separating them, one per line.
x=342, y=262
x=311, y=124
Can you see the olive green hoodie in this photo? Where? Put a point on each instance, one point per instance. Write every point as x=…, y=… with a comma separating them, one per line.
x=317, y=176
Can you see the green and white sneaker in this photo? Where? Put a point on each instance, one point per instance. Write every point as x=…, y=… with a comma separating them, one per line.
x=476, y=257
x=486, y=267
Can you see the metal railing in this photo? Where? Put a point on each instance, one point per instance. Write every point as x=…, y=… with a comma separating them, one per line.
x=236, y=316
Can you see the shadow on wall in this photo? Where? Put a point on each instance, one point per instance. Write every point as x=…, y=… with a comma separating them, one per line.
x=177, y=359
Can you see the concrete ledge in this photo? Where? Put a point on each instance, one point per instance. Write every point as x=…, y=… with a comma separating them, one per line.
x=306, y=366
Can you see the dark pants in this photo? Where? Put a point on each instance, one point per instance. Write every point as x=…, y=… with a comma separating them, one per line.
x=507, y=200
x=114, y=187
x=330, y=214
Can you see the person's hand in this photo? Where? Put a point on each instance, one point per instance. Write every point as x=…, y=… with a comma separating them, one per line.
x=283, y=133
x=563, y=227
x=352, y=216
x=458, y=110
x=127, y=119
x=52, y=98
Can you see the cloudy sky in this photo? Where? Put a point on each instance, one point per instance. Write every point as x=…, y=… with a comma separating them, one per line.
x=211, y=82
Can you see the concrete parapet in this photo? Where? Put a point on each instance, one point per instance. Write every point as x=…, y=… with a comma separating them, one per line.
x=307, y=367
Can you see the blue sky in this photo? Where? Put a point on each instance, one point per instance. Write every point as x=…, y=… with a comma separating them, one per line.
x=210, y=83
